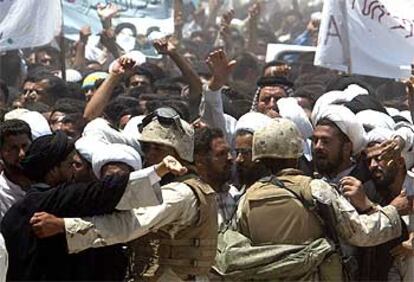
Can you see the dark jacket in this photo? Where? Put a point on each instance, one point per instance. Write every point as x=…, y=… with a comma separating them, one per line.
x=31, y=258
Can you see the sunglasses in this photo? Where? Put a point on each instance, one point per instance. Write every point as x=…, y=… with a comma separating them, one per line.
x=165, y=116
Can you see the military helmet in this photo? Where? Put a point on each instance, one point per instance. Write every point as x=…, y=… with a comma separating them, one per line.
x=164, y=126
x=280, y=139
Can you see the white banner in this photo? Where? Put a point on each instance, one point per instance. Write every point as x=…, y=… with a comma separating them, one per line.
x=144, y=14
x=370, y=37
x=28, y=23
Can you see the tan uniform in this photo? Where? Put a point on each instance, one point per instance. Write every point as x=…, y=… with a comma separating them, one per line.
x=356, y=229
x=286, y=220
x=186, y=222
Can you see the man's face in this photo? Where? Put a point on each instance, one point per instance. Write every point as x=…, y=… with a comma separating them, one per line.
x=115, y=168
x=155, y=153
x=244, y=165
x=72, y=127
x=43, y=58
x=14, y=150
x=267, y=100
x=220, y=160
x=82, y=171
x=327, y=149
x=140, y=81
x=65, y=170
x=37, y=93
x=381, y=174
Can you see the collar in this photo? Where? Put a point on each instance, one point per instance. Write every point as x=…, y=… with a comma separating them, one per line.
x=8, y=182
x=289, y=171
x=335, y=180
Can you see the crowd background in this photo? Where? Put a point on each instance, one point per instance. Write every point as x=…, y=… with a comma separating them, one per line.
x=213, y=44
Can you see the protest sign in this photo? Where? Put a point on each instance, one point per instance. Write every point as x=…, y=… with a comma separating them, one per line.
x=143, y=14
x=279, y=51
x=369, y=37
x=28, y=23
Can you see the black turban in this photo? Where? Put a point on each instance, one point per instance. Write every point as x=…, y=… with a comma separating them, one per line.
x=274, y=81
x=45, y=153
x=365, y=102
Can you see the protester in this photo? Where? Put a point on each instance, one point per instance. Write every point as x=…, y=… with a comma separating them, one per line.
x=15, y=139
x=117, y=92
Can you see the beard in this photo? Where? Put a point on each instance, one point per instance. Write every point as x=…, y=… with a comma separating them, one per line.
x=13, y=168
x=327, y=166
x=383, y=179
x=247, y=176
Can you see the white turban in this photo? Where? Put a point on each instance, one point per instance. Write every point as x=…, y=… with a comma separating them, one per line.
x=115, y=153
x=339, y=97
x=346, y=121
x=15, y=114
x=131, y=128
x=37, y=122
x=372, y=119
x=100, y=129
x=290, y=109
x=379, y=135
x=252, y=121
x=86, y=146
x=71, y=75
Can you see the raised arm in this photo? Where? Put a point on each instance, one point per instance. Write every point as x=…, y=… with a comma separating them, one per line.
x=80, y=61
x=103, y=94
x=253, y=19
x=167, y=47
x=223, y=39
x=211, y=107
x=105, y=13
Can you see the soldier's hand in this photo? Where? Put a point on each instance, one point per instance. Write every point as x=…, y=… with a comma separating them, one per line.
x=170, y=165
x=46, y=225
x=220, y=68
x=405, y=249
x=403, y=204
x=353, y=189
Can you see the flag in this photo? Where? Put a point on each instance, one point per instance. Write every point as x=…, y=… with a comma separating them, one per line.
x=369, y=37
x=28, y=23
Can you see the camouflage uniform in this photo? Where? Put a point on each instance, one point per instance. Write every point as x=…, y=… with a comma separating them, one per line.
x=290, y=203
x=183, y=223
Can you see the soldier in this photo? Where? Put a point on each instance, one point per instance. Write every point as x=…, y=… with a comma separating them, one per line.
x=286, y=200
x=185, y=223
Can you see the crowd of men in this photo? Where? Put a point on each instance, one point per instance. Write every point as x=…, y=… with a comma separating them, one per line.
x=207, y=164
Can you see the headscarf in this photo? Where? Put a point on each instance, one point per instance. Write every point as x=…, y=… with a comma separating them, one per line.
x=45, y=153
x=279, y=81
